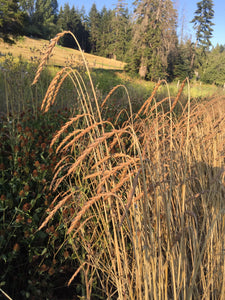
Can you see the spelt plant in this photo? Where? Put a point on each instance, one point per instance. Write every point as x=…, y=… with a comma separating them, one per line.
x=147, y=194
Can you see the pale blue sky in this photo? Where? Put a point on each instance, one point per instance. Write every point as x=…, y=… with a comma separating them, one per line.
x=185, y=7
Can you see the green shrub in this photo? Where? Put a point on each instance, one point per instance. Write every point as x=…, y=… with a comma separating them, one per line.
x=32, y=263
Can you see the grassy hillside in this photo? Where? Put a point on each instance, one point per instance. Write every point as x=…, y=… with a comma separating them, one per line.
x=32, y=49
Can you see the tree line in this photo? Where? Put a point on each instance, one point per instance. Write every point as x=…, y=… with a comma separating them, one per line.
x=145, y=39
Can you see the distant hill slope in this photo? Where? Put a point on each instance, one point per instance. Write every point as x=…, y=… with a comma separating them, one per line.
x=33, y=49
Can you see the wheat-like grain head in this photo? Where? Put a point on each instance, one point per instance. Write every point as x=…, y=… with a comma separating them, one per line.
x=48, y=52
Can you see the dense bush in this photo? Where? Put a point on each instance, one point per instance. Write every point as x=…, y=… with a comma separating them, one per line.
x=32, y=263
x=212, y=70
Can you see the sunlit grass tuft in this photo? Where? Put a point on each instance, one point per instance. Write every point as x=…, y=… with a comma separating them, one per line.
x=149, y=195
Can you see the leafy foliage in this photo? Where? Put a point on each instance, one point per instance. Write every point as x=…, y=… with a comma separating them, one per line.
x=44, y=18
x=29, y=258
x=212, y=70
x=182, y=64
x=11, y=20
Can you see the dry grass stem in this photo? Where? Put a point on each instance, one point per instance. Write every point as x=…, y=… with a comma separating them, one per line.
x=77, y=137
x=51, y=89
x=47, y=54
x=110, y=93
x=149, y=100
x=148, y=197
x=178, y=94
x=50, y=99
x=86, y=206
x=130, y=197
x=56, y=208
x=64, y=128
x=76, y=273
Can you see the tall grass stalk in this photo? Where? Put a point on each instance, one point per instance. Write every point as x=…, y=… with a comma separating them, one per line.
x=149, y=195
x=6, y=295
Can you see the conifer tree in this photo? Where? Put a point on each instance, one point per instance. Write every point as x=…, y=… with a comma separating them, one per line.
x=70, y=19
x=41, y=17
x=154, y=37
x=121, y=31
x=94, y=28
x=203, y=23
x=182, y=67
x=28, y=6
x=11, y=20
x=44, y=18
x=104, y=41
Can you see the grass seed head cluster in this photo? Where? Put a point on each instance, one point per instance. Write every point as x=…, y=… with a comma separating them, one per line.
x=148, y=193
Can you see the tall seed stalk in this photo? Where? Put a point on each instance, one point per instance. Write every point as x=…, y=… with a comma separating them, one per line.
x=148, y=193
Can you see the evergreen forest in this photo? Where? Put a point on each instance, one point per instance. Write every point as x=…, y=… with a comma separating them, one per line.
x=146, y=39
